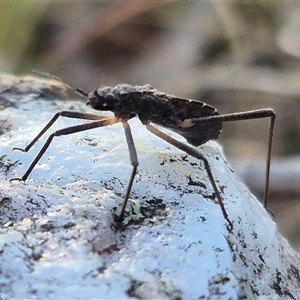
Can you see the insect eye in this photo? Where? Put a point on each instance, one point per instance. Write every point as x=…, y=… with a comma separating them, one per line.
x=109, y=100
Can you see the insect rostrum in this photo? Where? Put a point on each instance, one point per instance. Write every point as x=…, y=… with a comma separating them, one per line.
x=196, y=121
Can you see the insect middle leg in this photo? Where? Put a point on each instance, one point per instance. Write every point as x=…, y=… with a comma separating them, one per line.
x=134, y=163
x=193, y=152
x=104, y=121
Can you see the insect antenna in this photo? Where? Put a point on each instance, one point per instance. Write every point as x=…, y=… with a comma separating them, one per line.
x=70, y=86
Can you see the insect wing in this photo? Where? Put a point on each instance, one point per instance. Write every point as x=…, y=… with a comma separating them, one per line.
x=198, y=133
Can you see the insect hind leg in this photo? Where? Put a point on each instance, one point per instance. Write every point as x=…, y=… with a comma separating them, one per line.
x=193, y=152
x=248, y=115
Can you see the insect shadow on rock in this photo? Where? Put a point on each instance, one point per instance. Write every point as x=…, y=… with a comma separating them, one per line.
x=196, y=121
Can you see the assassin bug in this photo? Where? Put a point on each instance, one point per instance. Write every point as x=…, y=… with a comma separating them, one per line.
x=196, y=121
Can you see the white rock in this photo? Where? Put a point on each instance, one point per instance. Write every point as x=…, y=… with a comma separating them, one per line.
x=58, y=238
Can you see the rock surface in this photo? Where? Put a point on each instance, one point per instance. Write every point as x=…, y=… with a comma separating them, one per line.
x=58, y=238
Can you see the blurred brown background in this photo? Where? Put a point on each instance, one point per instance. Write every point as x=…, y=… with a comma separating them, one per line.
x=233, y=55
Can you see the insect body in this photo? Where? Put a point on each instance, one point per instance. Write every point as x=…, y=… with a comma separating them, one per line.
x=151, y=106
x=196, y=121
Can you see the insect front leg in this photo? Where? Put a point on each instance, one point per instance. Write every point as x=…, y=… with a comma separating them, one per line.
x=193, y=152
x=66, y=131
x=63, y=113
